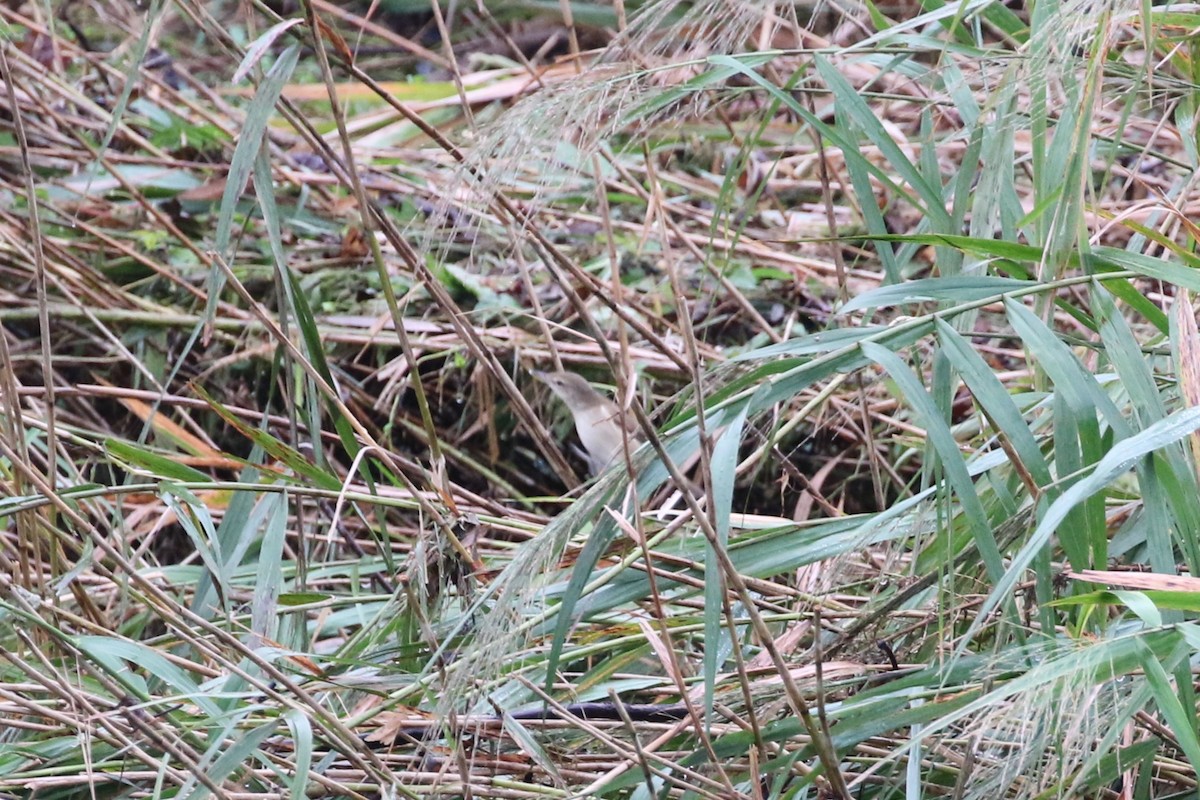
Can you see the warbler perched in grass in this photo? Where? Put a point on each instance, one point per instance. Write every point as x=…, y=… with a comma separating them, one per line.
x=597, y=419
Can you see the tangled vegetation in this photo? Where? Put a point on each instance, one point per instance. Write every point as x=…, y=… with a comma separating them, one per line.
x=897, y=300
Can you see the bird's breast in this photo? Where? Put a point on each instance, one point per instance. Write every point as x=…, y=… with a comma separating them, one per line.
x=600, y=432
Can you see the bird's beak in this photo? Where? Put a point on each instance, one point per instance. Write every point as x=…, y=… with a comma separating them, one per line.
x=541, y=376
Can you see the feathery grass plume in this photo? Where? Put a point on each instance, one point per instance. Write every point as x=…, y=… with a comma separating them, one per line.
x=506, y=615
x=548, y=141
x=1044, y=733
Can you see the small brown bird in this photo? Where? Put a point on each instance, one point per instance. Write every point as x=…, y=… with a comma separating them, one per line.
x=597, y=419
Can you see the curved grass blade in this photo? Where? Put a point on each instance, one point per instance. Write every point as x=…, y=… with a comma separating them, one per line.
x=956, y=289
x=724, y=463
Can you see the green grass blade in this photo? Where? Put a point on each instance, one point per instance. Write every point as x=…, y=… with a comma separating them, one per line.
x=947, y=451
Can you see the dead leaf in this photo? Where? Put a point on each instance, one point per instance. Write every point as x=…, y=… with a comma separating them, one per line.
x=335, y=39
x=1138, y=580
x=1188, y=354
